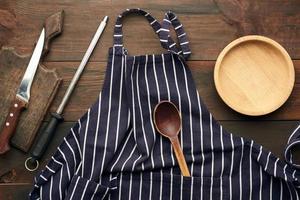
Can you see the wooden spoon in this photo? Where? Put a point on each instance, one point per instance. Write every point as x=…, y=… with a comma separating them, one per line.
x=167, y=121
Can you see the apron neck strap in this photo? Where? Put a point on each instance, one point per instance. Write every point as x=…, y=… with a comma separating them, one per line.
x=171, y=19
x=118, y=34
x=292, y=144
x=163, y=31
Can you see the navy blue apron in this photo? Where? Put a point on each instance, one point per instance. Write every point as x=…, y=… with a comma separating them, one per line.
x=114, y=151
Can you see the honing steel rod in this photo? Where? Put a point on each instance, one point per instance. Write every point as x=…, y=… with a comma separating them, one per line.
x=56, y=117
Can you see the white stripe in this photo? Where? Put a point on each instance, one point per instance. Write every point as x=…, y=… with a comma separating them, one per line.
x=51, y=170
x=240, y=170
x=275, y=167
x=120, y=187
x=130, y=155
x=150, y=111
x=56, y=161
x=163, y=40
x=260, y=152
x=106, y=191
x=141, y=185
x=122, y=150
x=281, y=192
x=231, y=167
x=260, y=182
x=51, y=188
x=181, y=35
x=118, y=45
x=183, y=43
x=67, y=164
x=179, y=97
x=140, y=108
x=74, y=189
x=120, y=105
x=250, y=171
x=73, y=153
x=77, y=143
x=178, y=26
x=164, y=29
x=222, y=166
x=201, y=138
x=158, y=97
x=212, y=157
x=118, y=25
x=151, y=181
x=166, y=20
x=268, y=157
x=153, y=22
x=284, y=172
x=187, y=52
x=60, y=186
x=108, y=118
x=84, y=142
x=191, y=119
x=84, y=190
x=96, y=133
x=271, y=188
x=171, y=184
x=41, y=192
x=130, y=186
x=181, y=187
x=161, y=185
x=147, y=14
x=118, y=35
x=168, y=90
x=43, y=177
x=290, y=192
x=174, y=18
x=172, y=45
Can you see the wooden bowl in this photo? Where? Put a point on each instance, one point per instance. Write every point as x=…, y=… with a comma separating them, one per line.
x=254, y=75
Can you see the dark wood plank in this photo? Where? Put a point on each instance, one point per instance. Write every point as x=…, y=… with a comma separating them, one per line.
x=272, y=135
x=91, y=82
x=14, y=192
x=210, y=26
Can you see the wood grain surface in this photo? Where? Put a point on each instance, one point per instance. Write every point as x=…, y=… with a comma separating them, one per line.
x=210, y=25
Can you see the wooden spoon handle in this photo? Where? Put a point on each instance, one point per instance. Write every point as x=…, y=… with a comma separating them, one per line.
x=10, y=124
x=180, y=157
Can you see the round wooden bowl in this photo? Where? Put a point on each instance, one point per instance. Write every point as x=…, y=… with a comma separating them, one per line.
x=254, y=75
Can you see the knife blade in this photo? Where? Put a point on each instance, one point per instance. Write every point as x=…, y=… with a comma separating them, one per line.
x=22, y=97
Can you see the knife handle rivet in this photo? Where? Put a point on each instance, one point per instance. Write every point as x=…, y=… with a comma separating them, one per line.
x=7, y=124
x=16, y=105
x=11, y=114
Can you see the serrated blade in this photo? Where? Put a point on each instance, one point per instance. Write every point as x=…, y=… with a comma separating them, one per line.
x=24, y=88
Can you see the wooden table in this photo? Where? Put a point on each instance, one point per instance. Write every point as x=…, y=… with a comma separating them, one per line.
x=210, y=25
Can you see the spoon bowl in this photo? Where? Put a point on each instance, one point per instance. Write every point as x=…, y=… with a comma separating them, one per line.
x=167, y=121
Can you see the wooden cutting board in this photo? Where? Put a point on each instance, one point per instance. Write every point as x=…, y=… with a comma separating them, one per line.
x=43, y=90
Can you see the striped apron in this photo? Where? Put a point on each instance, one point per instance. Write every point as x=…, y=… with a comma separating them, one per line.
x=114, y=152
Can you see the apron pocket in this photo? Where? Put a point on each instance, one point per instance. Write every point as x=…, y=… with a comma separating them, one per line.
x=147, y=185
x=82, y=188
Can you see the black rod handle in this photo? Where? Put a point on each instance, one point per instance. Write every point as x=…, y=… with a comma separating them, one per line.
x=42, y=143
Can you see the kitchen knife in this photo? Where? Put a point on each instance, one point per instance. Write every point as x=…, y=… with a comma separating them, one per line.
x=42, y=142
x=22, y=97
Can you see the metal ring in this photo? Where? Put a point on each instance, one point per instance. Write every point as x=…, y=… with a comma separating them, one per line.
x=31, y=169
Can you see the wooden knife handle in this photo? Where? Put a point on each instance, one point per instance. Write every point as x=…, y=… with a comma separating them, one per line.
x=10, y=124
x=53, y=27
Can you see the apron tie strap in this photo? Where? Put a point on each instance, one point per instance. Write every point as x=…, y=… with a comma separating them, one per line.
x=293, y=141
x=171, y=19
